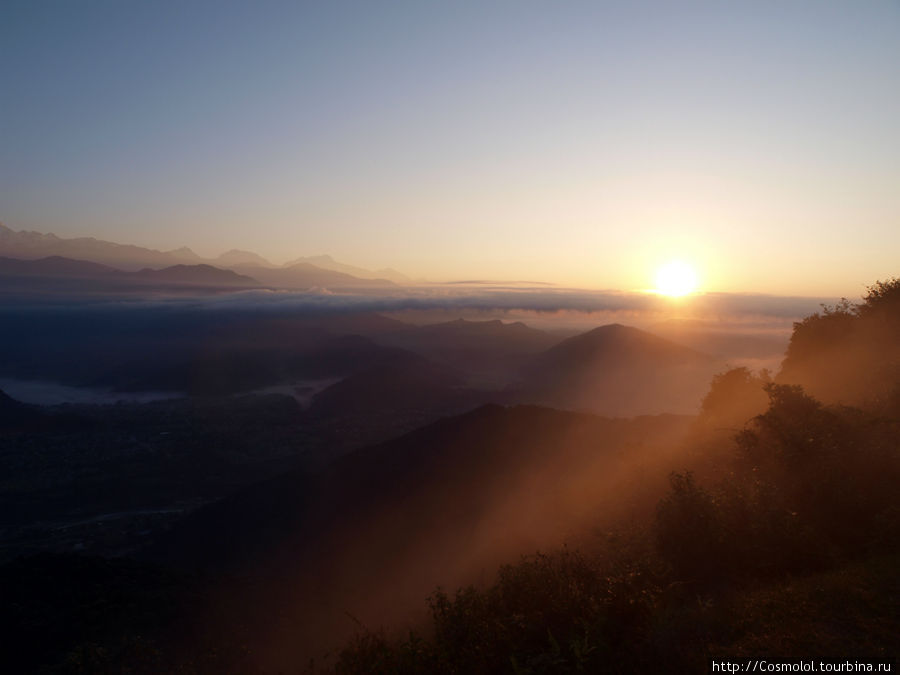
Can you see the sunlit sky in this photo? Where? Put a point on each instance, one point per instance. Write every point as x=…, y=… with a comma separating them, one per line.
x=583, y=143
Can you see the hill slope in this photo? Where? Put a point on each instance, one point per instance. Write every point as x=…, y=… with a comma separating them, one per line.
x=618, y=370
x=380, y=528
x=488, y=351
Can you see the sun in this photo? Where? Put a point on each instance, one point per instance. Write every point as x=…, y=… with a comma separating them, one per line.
x=675, y=279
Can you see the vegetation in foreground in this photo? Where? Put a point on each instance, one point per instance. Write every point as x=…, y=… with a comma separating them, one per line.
x=789, y=549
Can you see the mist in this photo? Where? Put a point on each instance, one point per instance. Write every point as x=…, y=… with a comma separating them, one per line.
x=424, y=338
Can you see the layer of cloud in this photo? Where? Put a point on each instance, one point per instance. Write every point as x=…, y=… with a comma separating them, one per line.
x=505, y=300
x=541, y=300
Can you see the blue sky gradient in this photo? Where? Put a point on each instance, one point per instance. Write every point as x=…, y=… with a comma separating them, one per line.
x=583, y=143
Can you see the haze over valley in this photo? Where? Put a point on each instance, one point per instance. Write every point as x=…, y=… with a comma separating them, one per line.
x=416, y=338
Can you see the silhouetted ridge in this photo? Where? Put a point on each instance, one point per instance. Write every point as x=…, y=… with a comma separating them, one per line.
x=443, y=478
x=616, y=341
x=197, y=274
x=32, y=245
x=302, y=273
x=617, y=370
x=55, y=266
x=489, y=352
x=89, y=273
x=303, y=276
x=238, y=257
x=328, y=263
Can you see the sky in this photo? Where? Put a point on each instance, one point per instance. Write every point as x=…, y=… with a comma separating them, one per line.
x=580, y=143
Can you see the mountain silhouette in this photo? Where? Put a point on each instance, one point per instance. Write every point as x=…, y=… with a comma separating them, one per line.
x=376, y=531
x=328, y=263
x=95, y=276
x=55, y=267
x=488, y=351
x=618, y=370
x=201, y=275
x=304, y=276
x=31, y=245
x=302, y=273
x=236, y=257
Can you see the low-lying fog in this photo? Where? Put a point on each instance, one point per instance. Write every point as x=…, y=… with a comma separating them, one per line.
x=42, y=392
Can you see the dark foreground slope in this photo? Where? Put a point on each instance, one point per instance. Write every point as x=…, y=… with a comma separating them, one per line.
x=67, y=614
x=790, y=554
x=377, y=531
x=537, y=463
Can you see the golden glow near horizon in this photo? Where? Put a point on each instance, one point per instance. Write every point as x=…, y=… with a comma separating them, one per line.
x=584, y=146
x=675, y=279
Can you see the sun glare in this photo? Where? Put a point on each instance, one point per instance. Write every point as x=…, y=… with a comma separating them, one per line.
x=676, y=278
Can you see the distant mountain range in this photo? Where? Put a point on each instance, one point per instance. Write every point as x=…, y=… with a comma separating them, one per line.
x=300, y=273
x=30, y=245
x=196, y=274
x=326, y=262
x=96, y=276
x=301, y=276
x=236, y=257
x=55, y=266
